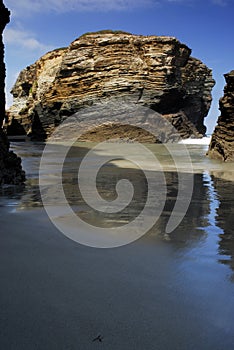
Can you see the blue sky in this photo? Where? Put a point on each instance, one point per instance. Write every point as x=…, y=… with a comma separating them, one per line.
x=206, y=26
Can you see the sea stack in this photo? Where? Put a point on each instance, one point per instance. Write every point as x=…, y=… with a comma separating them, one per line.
x=153, y=71
x=222, y=141
x=10, y=165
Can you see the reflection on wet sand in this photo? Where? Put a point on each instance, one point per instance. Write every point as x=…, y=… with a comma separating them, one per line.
x=210, y=210
x=224, y=220
x=165, y=291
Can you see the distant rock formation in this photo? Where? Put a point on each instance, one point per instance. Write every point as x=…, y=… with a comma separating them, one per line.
x=222, y=141
x=153, y=71
x=10, y=165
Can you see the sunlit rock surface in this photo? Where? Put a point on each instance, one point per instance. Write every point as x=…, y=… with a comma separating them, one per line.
x=153, y=71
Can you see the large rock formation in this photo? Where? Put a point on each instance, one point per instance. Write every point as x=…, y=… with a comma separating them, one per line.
x=10, y=165
x=222, y=142
x=157, y=72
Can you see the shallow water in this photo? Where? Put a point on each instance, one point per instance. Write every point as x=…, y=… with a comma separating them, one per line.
x=210, y=211
x=164, y=291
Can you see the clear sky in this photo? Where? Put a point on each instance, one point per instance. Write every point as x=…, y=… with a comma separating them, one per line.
x=206, y=26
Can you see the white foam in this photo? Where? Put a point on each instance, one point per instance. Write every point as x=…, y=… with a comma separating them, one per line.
x=203, y=141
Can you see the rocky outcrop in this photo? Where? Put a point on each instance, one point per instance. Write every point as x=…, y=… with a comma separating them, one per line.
x=10, y=165
x=157, y=72
x=222, y=141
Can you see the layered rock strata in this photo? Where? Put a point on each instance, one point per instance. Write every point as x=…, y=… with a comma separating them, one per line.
x=222, y=141
x=10, y=165
x=153, y=71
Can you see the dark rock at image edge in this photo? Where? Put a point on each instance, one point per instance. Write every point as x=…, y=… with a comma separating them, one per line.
x=222, y=141
x=10, y=165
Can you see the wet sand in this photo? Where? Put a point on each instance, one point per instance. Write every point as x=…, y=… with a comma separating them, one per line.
x=158, y=293
x=151, y=294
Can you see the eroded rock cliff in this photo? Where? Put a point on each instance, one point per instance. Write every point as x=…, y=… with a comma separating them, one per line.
x=222, y=141
x=157, y=72
x=10, y=165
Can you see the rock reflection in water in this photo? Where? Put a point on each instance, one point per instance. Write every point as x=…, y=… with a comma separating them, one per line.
x=224, y=219
x=191, y=229
x=209, y=219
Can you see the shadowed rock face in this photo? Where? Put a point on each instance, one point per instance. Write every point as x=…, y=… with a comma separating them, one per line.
x=10, y=165
x=4, y=19
x=157, y=72
x=222, y=142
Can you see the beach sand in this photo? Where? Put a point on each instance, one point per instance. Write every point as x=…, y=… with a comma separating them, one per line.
x=151, y=294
